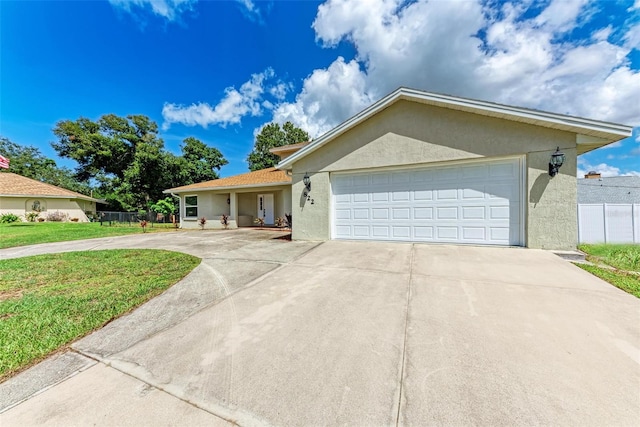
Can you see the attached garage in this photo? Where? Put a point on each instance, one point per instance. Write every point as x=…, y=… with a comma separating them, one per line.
x=425, y=167
x=473, y=203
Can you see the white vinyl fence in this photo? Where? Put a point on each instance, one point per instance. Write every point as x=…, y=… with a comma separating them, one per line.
x=609, y=223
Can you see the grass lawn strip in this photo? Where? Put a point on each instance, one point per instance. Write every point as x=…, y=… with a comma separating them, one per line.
x=629, y=283
x=616, y=264
x=31, y=233
x=48, y=301
x=622, y=257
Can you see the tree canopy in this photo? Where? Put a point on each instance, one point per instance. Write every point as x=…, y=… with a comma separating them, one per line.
x=270, y=136
x=127, y=157
x=30, y=162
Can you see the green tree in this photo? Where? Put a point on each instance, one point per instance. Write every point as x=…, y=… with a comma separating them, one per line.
x=128, y=157
x=30, y=162
x=270, y=136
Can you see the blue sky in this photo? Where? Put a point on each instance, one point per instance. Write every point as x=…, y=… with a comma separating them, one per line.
x=219, y=70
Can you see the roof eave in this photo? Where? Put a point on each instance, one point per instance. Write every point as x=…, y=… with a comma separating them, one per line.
x=50, y=196
x=228, y=187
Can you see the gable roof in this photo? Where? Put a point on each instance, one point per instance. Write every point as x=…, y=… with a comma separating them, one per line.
x=592, y=133
x=616, y=189
x=14, y=185
x=260, y=178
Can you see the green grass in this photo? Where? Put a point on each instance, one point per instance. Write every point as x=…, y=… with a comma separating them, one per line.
x=627, y=282
x=623, y=257
x=48, y=301
x=618, y=261
x=31, y=233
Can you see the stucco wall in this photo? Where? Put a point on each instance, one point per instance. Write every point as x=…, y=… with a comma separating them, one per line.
x=212, y=205
x=410, y=133
x=22, y=205
x=552, y=203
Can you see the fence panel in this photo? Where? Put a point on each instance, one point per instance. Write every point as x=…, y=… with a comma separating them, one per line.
x=609, y=223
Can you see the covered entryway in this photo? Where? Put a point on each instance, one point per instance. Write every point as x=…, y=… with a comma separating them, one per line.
x=473, y=202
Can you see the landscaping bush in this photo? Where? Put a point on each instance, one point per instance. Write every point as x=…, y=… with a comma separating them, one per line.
x=57, y=216
x=32, y=216
x=8, y=218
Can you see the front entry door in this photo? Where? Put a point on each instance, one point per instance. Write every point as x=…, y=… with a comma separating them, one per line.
x=265, y=208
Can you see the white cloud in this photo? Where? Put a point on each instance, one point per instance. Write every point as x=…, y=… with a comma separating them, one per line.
x=604, y=169
x=171, y=10
x=507, y=54
x=236, y=104
x=341, y=86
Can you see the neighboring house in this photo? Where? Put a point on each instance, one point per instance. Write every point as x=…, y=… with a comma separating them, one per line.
x=608, y=209
x=615, y=190
x=423, y=167
x=20, y=195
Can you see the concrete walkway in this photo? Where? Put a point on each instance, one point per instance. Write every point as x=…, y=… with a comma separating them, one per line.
x=268, y=332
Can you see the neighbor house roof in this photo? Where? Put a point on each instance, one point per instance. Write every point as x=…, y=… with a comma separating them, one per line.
x=592, y=134
x=14, y=185
x=260, y=178
x=617, y=189
x=286, y=150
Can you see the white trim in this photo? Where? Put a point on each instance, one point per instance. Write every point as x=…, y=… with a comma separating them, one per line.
x=609, y=132
x=197, y=206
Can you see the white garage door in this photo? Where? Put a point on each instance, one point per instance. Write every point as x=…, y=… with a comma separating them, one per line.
x=477, y=203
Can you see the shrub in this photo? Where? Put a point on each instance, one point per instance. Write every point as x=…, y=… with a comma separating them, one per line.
x=202, y=222
x=143, y=224
x=289, y=218
x=260, y=221
x=8, y=218
x=281, y=222
x=40, y=219
x=74, y=219
x=224, y=220
x=32, y=216
x=57, y=216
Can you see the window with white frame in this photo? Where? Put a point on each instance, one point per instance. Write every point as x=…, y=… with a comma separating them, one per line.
x=191, y=206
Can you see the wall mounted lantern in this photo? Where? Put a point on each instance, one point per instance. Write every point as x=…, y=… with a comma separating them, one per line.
x=557, y=160
x=307, y=182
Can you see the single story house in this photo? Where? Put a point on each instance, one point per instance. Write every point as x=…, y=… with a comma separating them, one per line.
x=420, y=167
x=20, y=195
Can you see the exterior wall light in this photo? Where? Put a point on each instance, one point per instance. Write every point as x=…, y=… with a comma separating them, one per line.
x=557, y=160
x=307, y=182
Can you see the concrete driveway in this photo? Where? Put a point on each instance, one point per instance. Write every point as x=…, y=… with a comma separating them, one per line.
x=296, y=333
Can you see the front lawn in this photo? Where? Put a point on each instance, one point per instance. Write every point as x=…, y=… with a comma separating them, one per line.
x=48, y=301
x=31, y=233
x=615, y=264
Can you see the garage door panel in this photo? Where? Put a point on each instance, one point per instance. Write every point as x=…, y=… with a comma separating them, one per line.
x=361, y=198
x=478, y=203
x=473, y=212
x=343, y=213
x=361, y=214
x=447, y=213
x=422, y=213
x=380, y=213
x=380, y=197
x=474, y=233
x=423, y=195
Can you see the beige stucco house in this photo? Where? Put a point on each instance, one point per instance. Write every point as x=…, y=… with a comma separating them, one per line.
x=421, y=167
x=20, y=195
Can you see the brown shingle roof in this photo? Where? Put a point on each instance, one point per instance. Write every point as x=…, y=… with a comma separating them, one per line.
x=12, y=184
x=258, y=178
